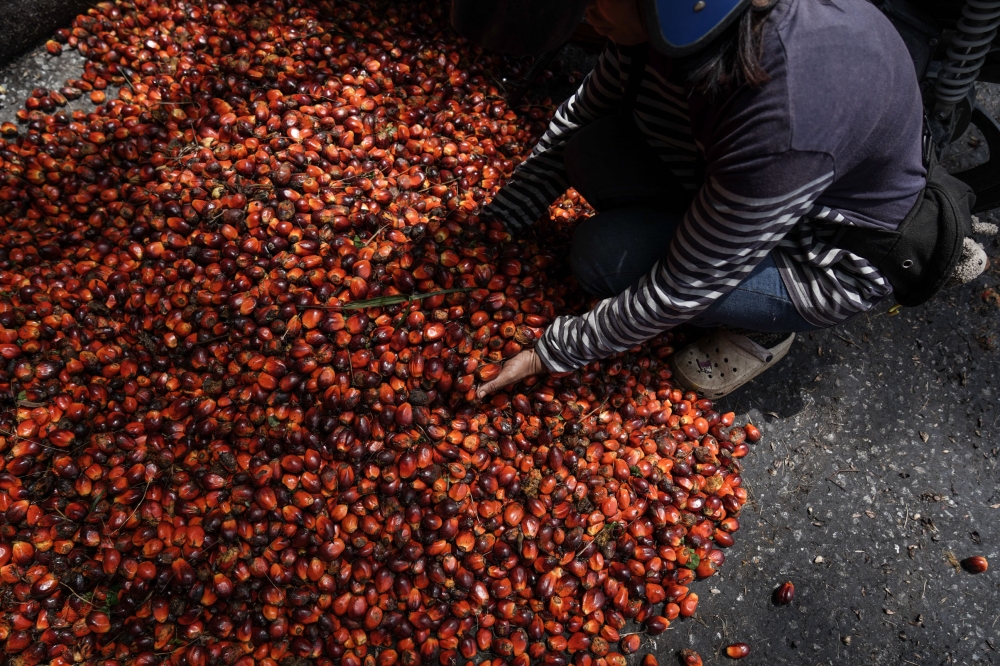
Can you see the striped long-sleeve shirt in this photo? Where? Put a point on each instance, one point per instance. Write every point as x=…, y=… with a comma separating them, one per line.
x=832, y=139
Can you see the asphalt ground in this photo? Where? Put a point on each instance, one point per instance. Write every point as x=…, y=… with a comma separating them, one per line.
x=878, y=469
x=24, y=23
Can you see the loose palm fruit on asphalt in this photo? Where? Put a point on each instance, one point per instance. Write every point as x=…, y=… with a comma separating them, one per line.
x=690, y=658
x=650, y=660
x=689, y=605
x=784, y=594
x=976, y=564
x=737, y=650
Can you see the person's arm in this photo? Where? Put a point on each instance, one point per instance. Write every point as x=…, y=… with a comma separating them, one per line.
x=739, y=215
x=541, y=178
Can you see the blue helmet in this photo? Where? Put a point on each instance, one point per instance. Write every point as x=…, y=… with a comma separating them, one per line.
x=682, y=27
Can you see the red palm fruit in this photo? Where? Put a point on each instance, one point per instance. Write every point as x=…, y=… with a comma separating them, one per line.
x=784, y=594
x=737, y=650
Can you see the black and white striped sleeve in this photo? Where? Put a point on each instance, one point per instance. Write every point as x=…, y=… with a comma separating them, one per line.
x=541, y=178
x=738, y=217
x=827, y=284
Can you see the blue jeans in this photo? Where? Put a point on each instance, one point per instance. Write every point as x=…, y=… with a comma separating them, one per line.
x=639, y=208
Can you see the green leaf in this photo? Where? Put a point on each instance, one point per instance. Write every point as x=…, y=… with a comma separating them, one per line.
x=382, y=301
x=23, y=395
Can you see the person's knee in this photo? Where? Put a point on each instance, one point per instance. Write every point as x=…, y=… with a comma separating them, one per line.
x=596, y=138
x=575, y=151
x=610, y=251
x=599, y=253
x=589, y=248
x=584, y=153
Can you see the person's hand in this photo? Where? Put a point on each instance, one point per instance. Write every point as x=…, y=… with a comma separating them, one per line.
x=525, y=364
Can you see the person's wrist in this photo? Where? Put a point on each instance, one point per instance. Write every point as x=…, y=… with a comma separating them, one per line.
x=537, y=366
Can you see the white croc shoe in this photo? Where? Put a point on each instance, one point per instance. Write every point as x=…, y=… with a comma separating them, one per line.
x=720, y=363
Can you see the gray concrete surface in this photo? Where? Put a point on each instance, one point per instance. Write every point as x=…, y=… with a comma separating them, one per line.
x=879, y=463
x=879, y=460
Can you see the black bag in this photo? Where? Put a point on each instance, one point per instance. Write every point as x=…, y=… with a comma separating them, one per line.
x=918, y=257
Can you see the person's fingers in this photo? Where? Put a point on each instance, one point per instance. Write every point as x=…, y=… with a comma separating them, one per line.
x=507, y=376
x=521, y=366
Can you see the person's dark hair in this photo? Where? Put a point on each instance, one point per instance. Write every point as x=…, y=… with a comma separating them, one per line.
x=732, y=59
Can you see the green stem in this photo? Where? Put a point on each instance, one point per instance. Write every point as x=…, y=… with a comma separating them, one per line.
x=383, y=301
